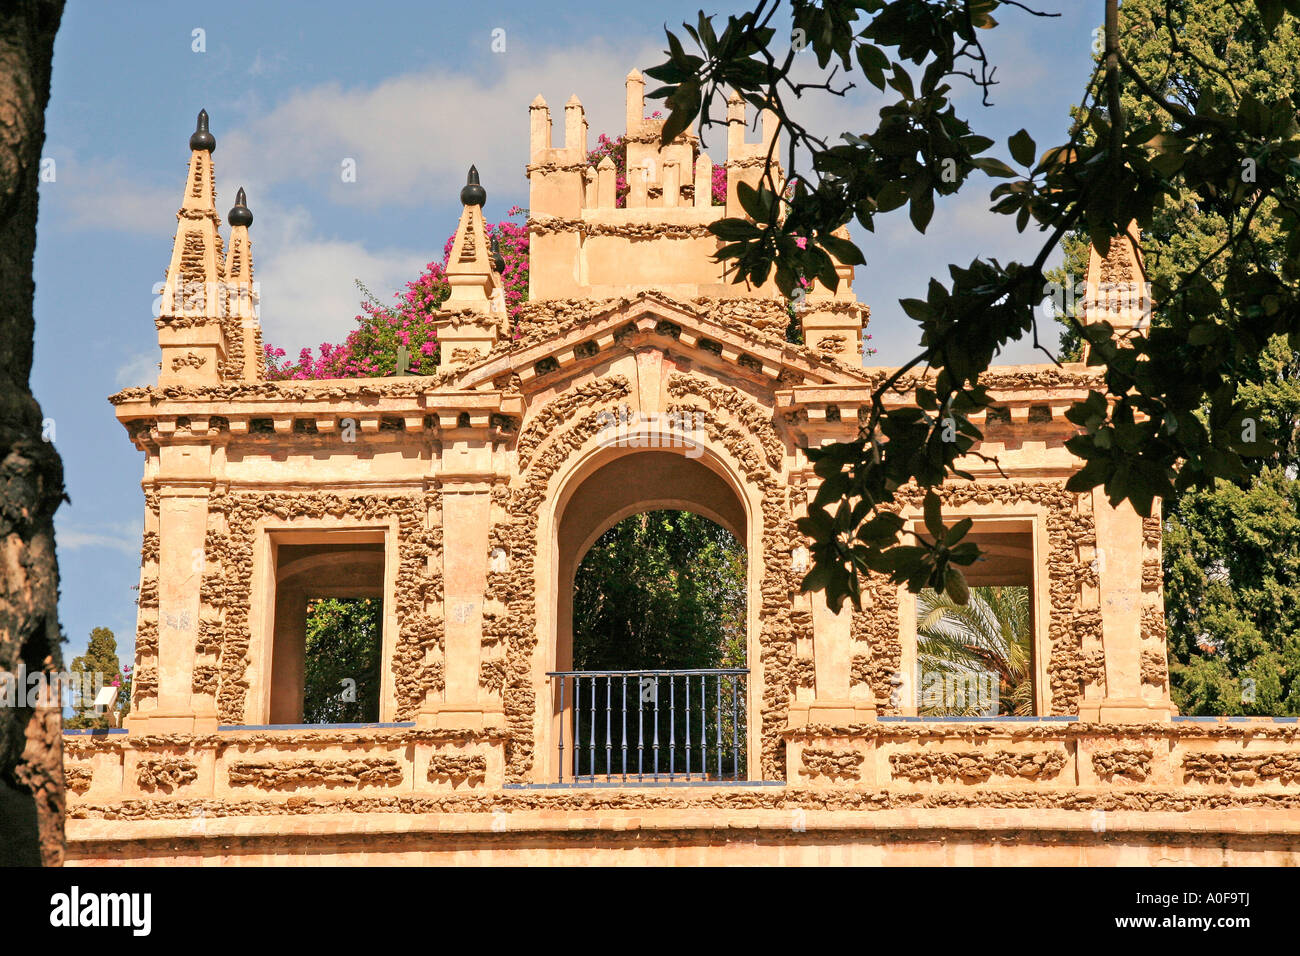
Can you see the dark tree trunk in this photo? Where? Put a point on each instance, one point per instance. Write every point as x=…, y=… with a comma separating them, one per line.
x=31, y=475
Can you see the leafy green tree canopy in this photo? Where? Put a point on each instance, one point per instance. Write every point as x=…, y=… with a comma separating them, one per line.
x=662, y=589
x=344, y=644
x=989, y=637
x=1230, y=556
x=1152, y=428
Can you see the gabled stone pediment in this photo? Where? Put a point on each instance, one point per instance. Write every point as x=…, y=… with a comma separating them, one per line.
x=737, y=337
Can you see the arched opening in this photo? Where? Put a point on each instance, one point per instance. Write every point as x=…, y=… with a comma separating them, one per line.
x=654, y=623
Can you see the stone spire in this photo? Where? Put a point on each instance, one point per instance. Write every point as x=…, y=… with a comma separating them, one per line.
x=1116, y=290
x=469, y=268
x=190, y=314
x=833, y=322
x=475, y=287
x=575, y=125
x=243, y=330
x=539, y=125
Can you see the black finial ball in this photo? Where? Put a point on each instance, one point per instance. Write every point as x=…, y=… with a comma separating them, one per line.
x=202, y=139
x=473, y=194
x=498, y=260
x=240, y=214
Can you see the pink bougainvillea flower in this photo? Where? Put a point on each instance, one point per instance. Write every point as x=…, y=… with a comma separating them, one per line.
x=371, y=348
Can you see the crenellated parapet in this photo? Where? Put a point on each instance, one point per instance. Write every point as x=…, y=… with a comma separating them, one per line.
x=584, y=243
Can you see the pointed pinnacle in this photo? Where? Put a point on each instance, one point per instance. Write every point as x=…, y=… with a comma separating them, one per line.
x=473, y=194
x=538, y=103
x=240, y=215
x=202, y=139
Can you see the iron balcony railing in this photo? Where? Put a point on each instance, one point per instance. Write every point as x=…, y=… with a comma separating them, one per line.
x=654, y=725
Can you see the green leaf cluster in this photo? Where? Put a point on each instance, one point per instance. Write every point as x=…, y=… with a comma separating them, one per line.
x=1173, y=414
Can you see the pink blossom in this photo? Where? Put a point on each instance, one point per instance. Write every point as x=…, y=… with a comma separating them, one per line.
x=371, y=348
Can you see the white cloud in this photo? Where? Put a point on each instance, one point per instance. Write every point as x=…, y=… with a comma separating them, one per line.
x=414, y=136
x=308, y=292
x=123, y=536
x=139, y=369
x=105, y=196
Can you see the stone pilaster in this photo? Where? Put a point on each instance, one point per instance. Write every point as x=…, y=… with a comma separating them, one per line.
x=1120, y=554
x=832, y=703
x=465, y=479
x=182, y=527
x=1117, y=293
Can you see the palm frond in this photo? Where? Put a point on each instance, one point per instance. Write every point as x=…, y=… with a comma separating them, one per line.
x=991, y=634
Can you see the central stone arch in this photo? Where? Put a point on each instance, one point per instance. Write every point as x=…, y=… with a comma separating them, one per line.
x=599, y=487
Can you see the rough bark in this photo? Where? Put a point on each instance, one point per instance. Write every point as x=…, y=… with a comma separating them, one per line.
x=31, y=475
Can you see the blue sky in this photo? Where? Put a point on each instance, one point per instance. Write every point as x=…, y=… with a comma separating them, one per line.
x=412, y=93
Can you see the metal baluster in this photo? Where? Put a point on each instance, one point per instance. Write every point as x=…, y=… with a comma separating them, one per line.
x=672, y=725
x=656, y=744
x=718, y=732
x=591, y=733
x=570, y=724
x=688, y=727
x=735, y=727
x=704, y=726
x=560, y=778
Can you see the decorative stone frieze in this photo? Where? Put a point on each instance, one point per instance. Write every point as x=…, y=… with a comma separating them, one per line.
x=1134, y=765
x=976, y=766
x=290, y=774
x=165, y=773
x=1242, y=769
x=833, y=764
x=472, y=768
